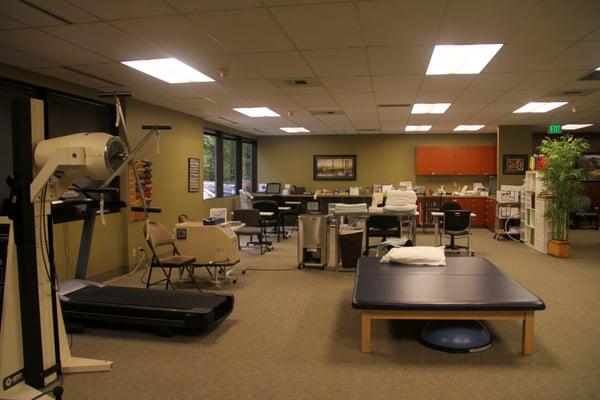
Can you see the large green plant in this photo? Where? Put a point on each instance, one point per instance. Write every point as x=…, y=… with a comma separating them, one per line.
x=562, y=180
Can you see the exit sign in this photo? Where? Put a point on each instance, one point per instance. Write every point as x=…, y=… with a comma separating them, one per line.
x=554, y=128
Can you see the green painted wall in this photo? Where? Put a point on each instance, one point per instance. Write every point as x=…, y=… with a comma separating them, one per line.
x=385, y=159
x=513, y=139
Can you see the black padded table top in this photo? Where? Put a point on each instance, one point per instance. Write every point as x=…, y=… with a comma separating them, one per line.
x=465, y=283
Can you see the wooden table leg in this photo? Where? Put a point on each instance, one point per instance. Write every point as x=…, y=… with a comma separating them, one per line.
x=528, y=333
x=366, y=331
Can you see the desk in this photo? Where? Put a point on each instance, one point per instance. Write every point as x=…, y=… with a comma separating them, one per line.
x=437, y=215
x=412, y=215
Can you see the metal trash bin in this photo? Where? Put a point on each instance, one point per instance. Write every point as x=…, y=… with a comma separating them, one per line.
x=312, y=240
x=350, y=247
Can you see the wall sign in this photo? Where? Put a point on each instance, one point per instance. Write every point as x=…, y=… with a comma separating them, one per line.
x=193, y=175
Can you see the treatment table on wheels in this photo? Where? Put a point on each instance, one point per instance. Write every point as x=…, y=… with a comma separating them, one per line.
x=467, y=288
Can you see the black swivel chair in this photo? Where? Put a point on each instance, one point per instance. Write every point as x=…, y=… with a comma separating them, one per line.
x=457, y=224
x=382, y=226
x=253, y=227
x=274, y=220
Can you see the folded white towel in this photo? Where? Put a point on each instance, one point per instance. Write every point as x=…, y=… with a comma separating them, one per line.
x=400, y=197
x=418, y=255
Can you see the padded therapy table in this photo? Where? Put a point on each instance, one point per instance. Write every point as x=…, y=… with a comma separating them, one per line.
x=467, y=288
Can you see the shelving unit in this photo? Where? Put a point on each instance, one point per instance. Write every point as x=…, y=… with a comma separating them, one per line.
x=508, y=208
x=537, y=228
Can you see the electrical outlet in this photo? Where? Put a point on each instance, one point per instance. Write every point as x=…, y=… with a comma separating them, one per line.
x=134, y=252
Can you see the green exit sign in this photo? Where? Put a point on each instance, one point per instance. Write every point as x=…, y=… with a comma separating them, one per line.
x=554, y=128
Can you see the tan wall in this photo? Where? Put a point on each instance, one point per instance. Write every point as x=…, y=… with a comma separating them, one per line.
x=513, y=139
x=385, y=159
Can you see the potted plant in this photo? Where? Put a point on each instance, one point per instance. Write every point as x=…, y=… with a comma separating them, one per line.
x=562, y=178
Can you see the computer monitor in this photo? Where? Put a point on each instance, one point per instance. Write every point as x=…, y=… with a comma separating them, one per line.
x=273, y=188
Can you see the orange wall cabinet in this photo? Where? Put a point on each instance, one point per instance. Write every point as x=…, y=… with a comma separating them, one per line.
x=474, y=161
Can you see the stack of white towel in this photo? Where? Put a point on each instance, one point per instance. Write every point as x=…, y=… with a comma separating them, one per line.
x=351, y=208
x=401, y=200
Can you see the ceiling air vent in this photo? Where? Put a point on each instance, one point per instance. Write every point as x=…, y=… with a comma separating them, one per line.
x=562, y=93
x=327, y=112
x=47, y=12
x=594, y=76
x=369, y=130
x=300, y=82
x=258, y=130
x=393, y=105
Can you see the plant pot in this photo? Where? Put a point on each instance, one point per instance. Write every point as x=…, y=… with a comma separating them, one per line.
x=559, y=248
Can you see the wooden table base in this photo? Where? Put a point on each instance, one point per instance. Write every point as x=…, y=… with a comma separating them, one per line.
x=525, y=316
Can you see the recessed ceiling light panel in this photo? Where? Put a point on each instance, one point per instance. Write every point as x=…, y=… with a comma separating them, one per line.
x=417, y=128
x=435, y=108
x=573, y=127
x=461, y=59
x=539, y=107
x=170, y=70
x=295, y=129
x=257, y=112
x=468, y=128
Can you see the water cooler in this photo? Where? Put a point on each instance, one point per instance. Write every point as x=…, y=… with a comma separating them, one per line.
x=312, y=240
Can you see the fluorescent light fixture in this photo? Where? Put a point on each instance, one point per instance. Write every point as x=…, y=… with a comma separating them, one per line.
x=573, y=127
x=598, y=69
x=540, y=107
x=436, y=108
x=417, y=128
x=468, y=128
x=450, y=59
x=170, y=70
x=257, y=112
x=295, y=129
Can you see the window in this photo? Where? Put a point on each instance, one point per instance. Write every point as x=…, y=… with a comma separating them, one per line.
x=229, y=167
x=210, y=166
x=248, y=166
x=229, y=164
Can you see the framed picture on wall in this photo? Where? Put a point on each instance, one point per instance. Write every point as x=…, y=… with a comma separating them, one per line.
x=591, y=163
x=334, y=167
x=514, y=164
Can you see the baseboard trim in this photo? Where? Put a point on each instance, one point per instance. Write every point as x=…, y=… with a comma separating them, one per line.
x=110, y=274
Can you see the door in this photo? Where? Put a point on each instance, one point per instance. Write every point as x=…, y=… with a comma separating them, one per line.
x=462, y=156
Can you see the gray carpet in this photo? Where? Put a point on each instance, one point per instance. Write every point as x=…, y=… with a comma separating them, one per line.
x=294, y=335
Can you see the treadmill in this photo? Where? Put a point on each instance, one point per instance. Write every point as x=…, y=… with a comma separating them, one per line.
x=85, y=301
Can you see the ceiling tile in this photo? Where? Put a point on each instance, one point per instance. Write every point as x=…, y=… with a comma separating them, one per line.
x=26, y=14
x=558, y=20
x=314, y=99
x=176, y=37
x=187, y=6
x=496, y=81
x=399, y=60
x=23, y=60
x=279, y=65
x=322, y=26
x=297, y=2
x=232, y=66
x=74, y=77
x=548, y=80
x=478, y=96
x=338, y=62
x=105, y=39
x=364, y=122
x=396, y=83
x=445, y=82
x=395, y=97
x=386, y=23
x=118, y=73
x=466, y=107
x=247, y=87
x=582, y=55
x=344, y=84
x=244, y=31
x=53, y=49
x=304, y=90
x=8, y=23
x=482, y=21
x=118, y=9
x=526, y=57
x=354, y=98
x=360, y=109
x=436, y=96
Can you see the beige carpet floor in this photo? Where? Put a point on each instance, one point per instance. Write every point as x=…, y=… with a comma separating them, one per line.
x=294, y=335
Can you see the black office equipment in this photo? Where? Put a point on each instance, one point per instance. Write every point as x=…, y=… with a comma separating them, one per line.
x=273, y=188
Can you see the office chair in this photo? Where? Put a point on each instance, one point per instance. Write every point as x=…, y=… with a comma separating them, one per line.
x=292, y=213
x=457, y=224
x=587, y=213
x=382, y=226
x=450, y=206
x=158, y=236
x=253, y=227
x=273, y=221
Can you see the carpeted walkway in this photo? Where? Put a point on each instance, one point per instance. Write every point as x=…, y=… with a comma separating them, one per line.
x=294, y=335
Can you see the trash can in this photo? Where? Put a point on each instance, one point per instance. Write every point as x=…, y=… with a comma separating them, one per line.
x=312, y=240
x=350, y=247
